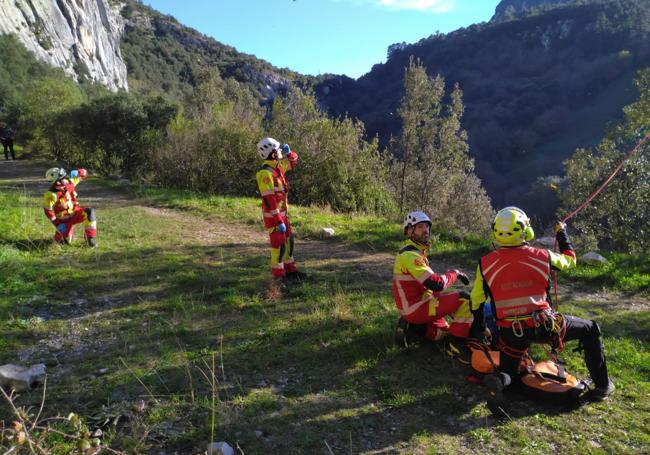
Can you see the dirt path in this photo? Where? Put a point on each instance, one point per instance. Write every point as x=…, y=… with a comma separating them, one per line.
x=245, y=240
x=251, y=240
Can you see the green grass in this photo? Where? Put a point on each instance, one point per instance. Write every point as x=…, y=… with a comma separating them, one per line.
x=622, y=272
x=306, y=369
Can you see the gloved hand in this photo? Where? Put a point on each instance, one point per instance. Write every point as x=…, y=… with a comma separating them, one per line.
x=559, y=226
x=61, y=228
x=285, y=149
x=282, y=228
x=462, y=277
x=74, y=173
x=82, y=173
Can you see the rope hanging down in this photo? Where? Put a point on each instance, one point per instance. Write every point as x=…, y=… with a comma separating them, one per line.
x=593, y=195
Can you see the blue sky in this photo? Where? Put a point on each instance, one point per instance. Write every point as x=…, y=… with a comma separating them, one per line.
x=323, y=36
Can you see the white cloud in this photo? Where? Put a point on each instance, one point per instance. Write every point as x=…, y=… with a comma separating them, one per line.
x=432, y=6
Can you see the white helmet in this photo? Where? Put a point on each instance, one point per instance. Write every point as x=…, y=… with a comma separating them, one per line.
x=55, y=173
x=414, y=218
x=266, y=146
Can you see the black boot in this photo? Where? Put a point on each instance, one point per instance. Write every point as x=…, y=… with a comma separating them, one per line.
x=296, y=275
x=407, y=333
x=495, y=383
x=457, y=349
x=601, y=393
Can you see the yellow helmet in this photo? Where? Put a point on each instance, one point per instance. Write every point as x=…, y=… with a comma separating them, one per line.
x=511, y=227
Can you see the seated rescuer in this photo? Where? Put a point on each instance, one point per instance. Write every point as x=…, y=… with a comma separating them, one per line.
x=418, y=294
x=516, y=278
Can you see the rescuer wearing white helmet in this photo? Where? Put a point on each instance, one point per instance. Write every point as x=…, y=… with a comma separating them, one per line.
x=516, y=278
x=417, y=290
x=273, y=186
x=62, y=209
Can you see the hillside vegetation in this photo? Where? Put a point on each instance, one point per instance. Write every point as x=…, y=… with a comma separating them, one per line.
x=535, y=88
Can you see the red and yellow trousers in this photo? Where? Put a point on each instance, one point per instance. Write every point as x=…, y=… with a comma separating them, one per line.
x=434, y=311
x=65, y=228
x=282, y=250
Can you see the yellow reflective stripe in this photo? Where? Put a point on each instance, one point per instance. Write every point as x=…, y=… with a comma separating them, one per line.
x=541, y=261
x=496, y=273
x=537, y=269
x=402, y=277
x=406, y=309
x=487, y=269
x=426, y=274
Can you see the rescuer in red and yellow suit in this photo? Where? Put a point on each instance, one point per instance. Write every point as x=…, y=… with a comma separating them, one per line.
x=418, y=294
x=516, y=278
x=62, y=209
x=274, y=188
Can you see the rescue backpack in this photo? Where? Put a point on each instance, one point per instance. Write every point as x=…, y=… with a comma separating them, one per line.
x=549, y=381
x=546, y=380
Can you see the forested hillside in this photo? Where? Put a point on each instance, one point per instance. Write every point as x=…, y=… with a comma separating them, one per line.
x=540, y=80
x=534, y=88
x=164, y=56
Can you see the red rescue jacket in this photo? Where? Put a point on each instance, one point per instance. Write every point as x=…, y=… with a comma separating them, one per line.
x=518, y=280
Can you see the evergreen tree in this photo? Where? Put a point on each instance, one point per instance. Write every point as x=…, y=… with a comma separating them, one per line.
x=434, y=171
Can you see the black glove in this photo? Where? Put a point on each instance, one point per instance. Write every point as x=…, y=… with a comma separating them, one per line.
x=562, y=237
x=462, y=277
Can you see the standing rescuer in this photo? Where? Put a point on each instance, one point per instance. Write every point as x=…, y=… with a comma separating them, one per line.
x=516, y=278
x=274, y=188
x=7, y=139
x=418, y=294
x=63, y=210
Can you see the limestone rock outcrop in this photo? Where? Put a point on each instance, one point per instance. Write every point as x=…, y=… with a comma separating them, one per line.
x=80, y=36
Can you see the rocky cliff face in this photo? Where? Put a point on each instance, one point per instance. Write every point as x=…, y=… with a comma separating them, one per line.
x=509, y=7
x=80, y=36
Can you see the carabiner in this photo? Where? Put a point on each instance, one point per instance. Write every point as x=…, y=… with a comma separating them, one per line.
x=518, y=332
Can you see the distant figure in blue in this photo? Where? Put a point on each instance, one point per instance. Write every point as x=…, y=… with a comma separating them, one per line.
x=7, y=139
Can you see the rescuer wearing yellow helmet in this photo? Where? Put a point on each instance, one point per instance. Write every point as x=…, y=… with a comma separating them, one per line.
x=516, y=279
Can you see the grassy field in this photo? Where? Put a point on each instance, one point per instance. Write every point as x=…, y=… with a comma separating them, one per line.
x=171, y=334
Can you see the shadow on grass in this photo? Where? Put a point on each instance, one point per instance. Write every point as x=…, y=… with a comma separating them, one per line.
x=320, y=350
x=29, y=244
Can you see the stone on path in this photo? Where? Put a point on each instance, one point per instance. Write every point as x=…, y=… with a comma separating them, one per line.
x=220, y=448
x=593, y=258
x=327, y=232
x=21, y=378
